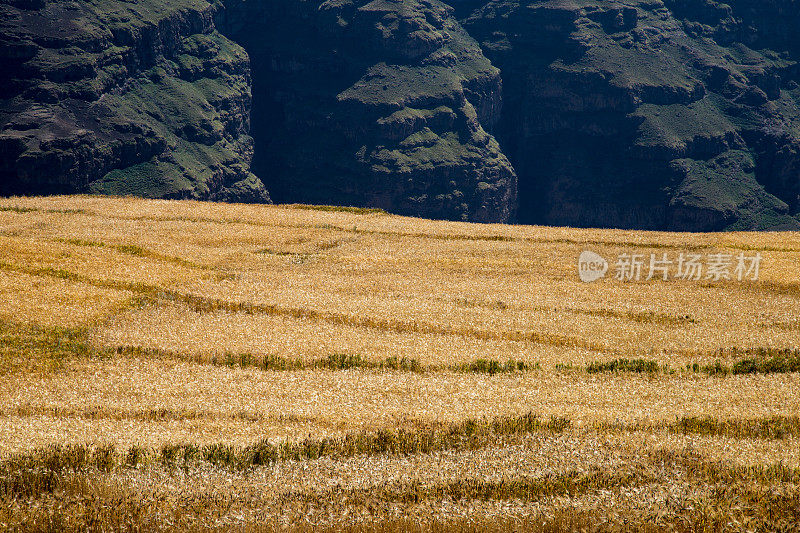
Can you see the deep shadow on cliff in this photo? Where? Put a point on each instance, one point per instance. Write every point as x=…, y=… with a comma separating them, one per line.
x=674, y=114
x=680, y=114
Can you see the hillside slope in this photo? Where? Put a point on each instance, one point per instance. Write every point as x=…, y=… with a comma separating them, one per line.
x=630, y=113
x=185, y=366
x=124, y=98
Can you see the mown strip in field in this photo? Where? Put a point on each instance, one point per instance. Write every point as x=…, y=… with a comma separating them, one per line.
x=145, y=415
x=769, y=428
x=22, y=210
x=334, y=361
x=761, y=361
x=781, y=361
x=708, y=496
x=49, y=347
x=776, y=427
x=522, y=488
x=46, y=471
x=719, y=494
x=41, y=471
x=137, y=251
x=30, y=347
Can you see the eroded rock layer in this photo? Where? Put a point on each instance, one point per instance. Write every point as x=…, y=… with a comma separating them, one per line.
x=382, y=103
x=117, y=97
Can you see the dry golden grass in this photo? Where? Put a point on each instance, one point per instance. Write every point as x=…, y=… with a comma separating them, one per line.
x=342, y=401
x=51, y=301
x=561, y=482
x=127, y=322
x=405, y=274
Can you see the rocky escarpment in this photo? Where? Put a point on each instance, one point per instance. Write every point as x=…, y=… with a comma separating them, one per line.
x=366, y=103
x=123, y=98
x=656, y=114
x=648, y=114
x=381, y=103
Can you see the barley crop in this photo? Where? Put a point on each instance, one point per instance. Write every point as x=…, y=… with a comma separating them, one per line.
x=178, y=365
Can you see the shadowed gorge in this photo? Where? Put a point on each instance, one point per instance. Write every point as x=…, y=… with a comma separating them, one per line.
x=647, y=114
x=382, y=104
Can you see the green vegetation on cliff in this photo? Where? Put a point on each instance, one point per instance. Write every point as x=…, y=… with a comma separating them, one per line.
x=648, y=114
x=656, y=114
x=142, y=99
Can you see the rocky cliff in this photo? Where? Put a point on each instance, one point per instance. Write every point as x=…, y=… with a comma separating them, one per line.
x=383, y=103
x=680, y=114
x=115, y=97
x=673, y=114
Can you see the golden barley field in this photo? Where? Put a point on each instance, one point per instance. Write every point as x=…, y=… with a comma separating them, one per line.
x=185, y=366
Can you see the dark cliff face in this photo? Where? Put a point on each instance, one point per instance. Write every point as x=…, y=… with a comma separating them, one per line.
x=124, y=98
x=647, y=114
x=366, y=103
x=383, y=104
x=673, y=114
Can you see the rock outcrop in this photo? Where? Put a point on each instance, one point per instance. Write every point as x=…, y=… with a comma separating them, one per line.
x=648, y=114
x=653, y=114
x=382, y=103
x=116, y=97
